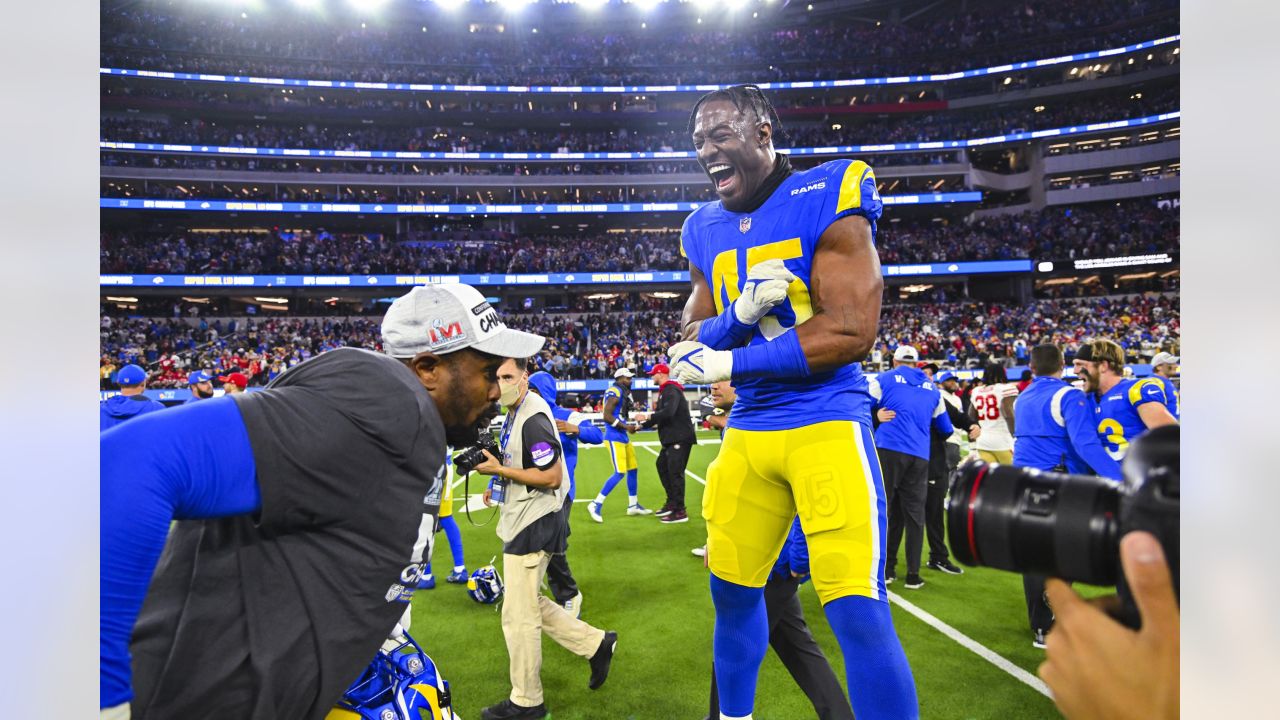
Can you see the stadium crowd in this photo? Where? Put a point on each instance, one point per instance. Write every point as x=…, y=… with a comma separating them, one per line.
x=855, y=129
x=1100, y=230
x=592, y=345
x=986, y=32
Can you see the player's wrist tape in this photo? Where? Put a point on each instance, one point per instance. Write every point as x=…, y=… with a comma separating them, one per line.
x=724, y=331
x=782, y=357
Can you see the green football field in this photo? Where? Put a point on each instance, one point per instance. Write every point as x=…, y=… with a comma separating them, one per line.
x=639, y=578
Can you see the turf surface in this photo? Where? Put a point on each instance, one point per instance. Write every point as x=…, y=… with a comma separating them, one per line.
x=639, y=578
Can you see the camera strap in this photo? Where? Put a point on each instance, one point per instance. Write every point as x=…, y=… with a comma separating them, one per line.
x=466, y=492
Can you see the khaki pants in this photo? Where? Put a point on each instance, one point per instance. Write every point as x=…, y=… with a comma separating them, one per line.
x=1003, y=457
x=526, y=614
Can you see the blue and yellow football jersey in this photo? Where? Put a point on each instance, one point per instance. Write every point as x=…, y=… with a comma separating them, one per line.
x=724, y=245
x=1117, y=413
x=1171, y=396
x=621, y=411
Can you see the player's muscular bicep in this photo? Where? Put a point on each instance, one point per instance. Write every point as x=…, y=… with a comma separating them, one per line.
x=700, y=306
x=845, y=287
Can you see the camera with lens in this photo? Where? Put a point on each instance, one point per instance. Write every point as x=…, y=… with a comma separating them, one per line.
x=467, y=460
x=1068, y=526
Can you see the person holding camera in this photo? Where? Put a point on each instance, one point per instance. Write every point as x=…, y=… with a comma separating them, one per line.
x=530, y=484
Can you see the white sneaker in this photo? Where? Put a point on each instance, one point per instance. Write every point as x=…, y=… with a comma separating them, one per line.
x=639, y=509
x=574, y=605
x=700, y=551
x=593, y=509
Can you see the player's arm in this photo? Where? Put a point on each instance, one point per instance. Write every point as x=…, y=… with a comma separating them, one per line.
x=700, y=306
x=765, y=287
x=609, y=412
x=193, y=462
x=1006, y=408
x=587, y=430
x=1083, y=435
x=717, y=422
x=799, y=561
x=1148, y=397
x=942, y=420
x=845, y=288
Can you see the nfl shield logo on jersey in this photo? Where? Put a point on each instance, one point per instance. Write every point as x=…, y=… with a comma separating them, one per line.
x=744, y=224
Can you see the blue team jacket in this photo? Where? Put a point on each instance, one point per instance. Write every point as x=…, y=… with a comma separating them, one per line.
x=1053, y=426
x=919, y=405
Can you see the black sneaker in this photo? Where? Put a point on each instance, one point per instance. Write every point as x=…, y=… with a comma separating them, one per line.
x=914, y=582
x=890, y=575
x=601, y=660
x=665, y=511
x=507, y=710
x=946, y=566
x=1038, y=642
x=676, y=516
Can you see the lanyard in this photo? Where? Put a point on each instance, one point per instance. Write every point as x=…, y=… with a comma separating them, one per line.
x=507, y=426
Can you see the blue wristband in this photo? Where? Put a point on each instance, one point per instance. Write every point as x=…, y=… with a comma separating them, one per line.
x=724, y=331
x=781, y=357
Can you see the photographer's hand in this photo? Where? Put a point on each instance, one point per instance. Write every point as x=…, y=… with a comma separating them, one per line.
x=490, y=466
x=1096, y=667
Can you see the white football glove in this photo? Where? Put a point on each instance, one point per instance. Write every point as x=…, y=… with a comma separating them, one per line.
x=766, y=286
x=693, y=363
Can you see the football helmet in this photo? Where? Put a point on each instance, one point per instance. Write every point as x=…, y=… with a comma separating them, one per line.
x=485, y=585
x=401, y=684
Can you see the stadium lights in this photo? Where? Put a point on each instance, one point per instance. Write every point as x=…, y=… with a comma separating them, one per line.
x=735, y=5
x=450, y=5
x=514, y=5
x=367, y=5
x=306, y=3
x=272, y=300
x=592, y=4
x=646, y=5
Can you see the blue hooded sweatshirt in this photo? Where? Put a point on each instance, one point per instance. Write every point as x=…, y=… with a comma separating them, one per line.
x=118, y=408
x=545, y=384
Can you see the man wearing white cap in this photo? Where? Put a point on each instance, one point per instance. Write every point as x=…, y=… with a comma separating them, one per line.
x=301, y=529
x=902, y=443
x=1165, y=367
x=617, y=429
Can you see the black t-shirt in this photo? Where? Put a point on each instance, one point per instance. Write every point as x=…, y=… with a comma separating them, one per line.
x=541, y=450
x=274, y=616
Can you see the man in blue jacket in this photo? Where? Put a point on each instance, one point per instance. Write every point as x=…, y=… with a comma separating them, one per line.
x=902, y=442
x=130, y=403
x=573, y=427
x=1054, y=430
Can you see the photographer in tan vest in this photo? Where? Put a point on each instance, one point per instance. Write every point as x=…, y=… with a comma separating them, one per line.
x=530, y=483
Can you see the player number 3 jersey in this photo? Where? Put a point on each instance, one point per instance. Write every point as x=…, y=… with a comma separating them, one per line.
x=724, y=245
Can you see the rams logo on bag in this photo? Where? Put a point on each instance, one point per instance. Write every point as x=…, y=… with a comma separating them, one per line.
x=403, y=684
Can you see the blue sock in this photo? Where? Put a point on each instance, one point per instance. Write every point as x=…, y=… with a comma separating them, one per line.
x=633, y=483
x=609, y=485
x=880, y=682
x=452, y=532
x=741, y=638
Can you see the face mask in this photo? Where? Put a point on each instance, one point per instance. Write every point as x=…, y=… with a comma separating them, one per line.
x=509, y=393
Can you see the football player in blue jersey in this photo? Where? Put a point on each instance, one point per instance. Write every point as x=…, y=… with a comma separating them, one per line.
x=1123, y=408
x=617, y=426
x=785, y=302
x=1164, y=367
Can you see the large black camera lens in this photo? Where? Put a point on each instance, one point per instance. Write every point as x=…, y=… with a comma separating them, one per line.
x=1034, y=522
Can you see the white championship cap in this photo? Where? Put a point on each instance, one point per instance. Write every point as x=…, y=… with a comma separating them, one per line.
x=623, y=372
x=447, y=318
x=906, y=352
x=1164, y=358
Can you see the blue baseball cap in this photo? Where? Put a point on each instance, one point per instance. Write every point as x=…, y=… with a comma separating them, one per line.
x=131, y=375
x=944, y=376
x=198, y=376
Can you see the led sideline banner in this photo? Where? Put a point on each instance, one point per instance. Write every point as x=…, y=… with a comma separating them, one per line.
x=402, y=209
x=581, y=278
x=558, y=89
x=654, y=155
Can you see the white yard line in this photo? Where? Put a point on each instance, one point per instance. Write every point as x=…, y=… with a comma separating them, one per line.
x=647, y=446
x=976, y=647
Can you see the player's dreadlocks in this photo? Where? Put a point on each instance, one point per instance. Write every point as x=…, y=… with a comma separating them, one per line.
x=743, y=97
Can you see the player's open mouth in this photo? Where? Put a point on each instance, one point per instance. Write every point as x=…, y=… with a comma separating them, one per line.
x=722, y=174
